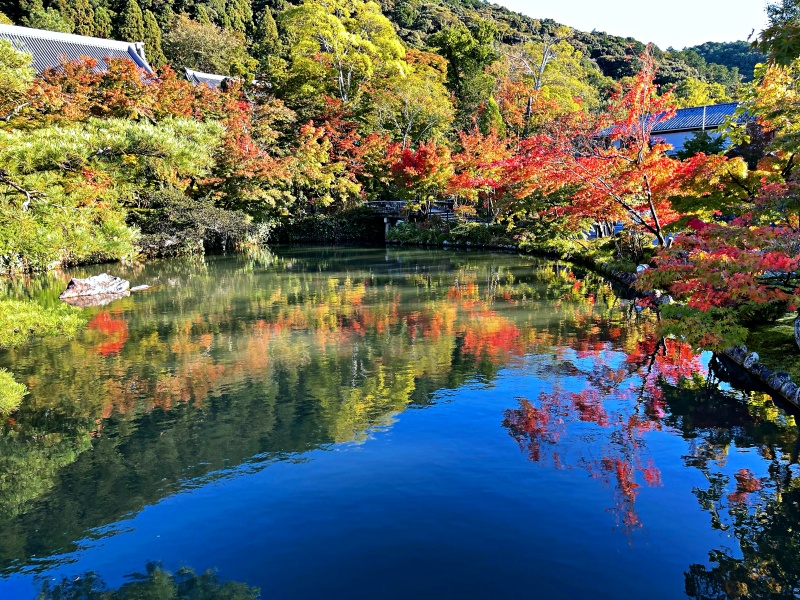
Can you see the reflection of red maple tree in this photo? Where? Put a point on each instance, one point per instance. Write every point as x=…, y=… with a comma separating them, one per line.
x=622, y=404
x=746, y=484
x=114, y=330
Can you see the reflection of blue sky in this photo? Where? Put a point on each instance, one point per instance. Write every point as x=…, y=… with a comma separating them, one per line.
x=443, y=503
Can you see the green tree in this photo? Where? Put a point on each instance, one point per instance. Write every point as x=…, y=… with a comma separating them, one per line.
x=411, y=107
x=152, y=41
x=80, y=13
x=266, y=41
x=4, y=20
x=203, y=16
x=695, y=92
x=239, y=16
x=468, y=53
x=781, y=39
x=552, y=66
x=703, y=142
x=491, y=119
x=103, y=26
x=207, y=48
x=49, y=19
x=131, y=27
x=16, y=76
x=336, y=47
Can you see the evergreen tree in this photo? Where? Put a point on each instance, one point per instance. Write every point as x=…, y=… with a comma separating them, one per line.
x=491, y=120
x=132, y=26
x=239, y=15
x=152, y=40
x=49, y=19
x=266, y=41
x=102, y=22
x=203, y=16
x=4, y=20
x=80, y=12
x=165, y=17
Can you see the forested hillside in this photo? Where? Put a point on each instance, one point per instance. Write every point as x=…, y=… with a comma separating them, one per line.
x=235, y=37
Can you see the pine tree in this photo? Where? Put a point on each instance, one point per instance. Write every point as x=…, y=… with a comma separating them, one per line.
x=132, y=26
x=239, y=15
x=165, y=17
x=152, y=40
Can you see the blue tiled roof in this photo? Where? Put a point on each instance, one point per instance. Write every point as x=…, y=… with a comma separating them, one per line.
x=49, y=48
x=210, y=79
x=697, y=117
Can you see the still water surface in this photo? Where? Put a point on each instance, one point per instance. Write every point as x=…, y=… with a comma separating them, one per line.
x=388, y=423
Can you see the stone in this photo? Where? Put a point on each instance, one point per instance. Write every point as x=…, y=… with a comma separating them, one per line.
x=762, y=371
x=140, y=288
x=776, y=380
x=797, y=331
x=789, y=389
x=103, y=284
x=737, y=353
x=750, y=360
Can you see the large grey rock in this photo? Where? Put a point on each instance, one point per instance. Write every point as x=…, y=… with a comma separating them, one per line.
x=750, y=360
x=99, y=285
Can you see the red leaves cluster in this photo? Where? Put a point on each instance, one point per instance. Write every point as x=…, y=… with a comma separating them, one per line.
x=720, y=266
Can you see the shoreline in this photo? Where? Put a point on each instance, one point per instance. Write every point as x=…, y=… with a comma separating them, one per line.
x=776, y=383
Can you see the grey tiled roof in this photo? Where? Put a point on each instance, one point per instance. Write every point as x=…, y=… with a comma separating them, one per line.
x=49, y=48
x=692, y=119
x=210, y=79
x=689, y=119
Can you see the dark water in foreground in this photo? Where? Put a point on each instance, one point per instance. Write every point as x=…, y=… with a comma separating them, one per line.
x=371, y=423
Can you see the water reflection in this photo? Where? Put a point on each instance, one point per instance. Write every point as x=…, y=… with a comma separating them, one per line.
x=229, y=365
x=155, y=583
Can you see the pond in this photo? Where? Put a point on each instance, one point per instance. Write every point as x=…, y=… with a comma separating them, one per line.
x=392, y=423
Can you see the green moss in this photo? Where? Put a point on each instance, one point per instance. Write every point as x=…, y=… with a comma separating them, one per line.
x=776, y=346
x=21, y=321
x=11, y=392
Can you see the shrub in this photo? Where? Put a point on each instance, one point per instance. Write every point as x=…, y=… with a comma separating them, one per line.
x=22, y=320
x=173, y=224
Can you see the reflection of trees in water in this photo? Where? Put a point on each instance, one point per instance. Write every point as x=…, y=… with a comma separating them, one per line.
x=631, y=384
x=761, y=513
x=154, y=584
x=224, y=366
x=602, y=427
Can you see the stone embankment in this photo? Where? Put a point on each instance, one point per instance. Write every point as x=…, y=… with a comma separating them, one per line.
x=778, y=383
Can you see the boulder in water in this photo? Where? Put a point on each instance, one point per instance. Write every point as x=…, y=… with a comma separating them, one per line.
x=103, y=286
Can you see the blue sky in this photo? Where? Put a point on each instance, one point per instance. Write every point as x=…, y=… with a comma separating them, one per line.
x=676, y=23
